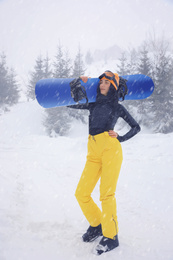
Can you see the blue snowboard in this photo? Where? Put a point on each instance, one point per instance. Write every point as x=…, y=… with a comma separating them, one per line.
x=56, y=92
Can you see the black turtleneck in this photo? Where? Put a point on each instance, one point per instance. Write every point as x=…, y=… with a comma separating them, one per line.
x=105, y=112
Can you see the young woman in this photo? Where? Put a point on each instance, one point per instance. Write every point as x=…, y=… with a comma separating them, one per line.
x=104, y=161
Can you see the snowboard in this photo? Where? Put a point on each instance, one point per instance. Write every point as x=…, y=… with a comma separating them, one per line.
x=56, y=92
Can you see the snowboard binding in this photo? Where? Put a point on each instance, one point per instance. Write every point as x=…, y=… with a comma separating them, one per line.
x=122, y=88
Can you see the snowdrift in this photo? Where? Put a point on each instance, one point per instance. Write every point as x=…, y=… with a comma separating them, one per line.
x=39, y=216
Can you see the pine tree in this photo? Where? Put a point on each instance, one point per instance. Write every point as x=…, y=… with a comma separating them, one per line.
x=47, y=67
x=162, y=96
x=36, y=75
x=13, y=96
x=123, y=65
x=132, y=61
x=3, y=80
x=9, y=88
x=67, y=66
x=144, y=66
x=154, y=59
x=78, y=68
x=57, y=120
x=59, y=64
x=156, y=110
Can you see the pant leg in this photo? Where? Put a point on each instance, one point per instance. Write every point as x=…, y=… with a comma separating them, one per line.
x=111, y=164
x=87, y=182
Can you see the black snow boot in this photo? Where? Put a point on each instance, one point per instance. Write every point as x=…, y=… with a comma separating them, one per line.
x=106, y=244
x=92, y=233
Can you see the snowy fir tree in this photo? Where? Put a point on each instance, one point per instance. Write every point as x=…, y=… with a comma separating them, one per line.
x=9, y=88
x=144, y=66
x=3, y=80
x=153, y=59
x=59, y=64
x=132, y=61
x=47, y=67
x=78, y=68
x=68, y=64
x=13, y=96
x=123, y=64
x=162, y=97
x=36, y=75
x=57, y=120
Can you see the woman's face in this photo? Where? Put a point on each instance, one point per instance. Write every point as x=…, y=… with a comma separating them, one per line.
x=104, y=86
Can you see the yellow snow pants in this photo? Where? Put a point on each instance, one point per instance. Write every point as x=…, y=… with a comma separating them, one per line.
x=104, y=161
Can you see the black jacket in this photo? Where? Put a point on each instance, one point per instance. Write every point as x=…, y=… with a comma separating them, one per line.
x=105, y=112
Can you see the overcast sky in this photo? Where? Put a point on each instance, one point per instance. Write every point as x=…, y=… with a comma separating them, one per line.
x=31, y=27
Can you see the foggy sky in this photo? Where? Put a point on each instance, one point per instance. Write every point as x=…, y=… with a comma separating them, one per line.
x=32, y=27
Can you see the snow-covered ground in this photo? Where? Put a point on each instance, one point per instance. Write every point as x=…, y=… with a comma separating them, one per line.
x=39, y=215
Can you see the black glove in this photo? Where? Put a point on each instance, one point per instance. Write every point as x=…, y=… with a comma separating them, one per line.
x=78, y=92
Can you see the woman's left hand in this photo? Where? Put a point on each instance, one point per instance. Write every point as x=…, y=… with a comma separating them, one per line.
x=113, y=134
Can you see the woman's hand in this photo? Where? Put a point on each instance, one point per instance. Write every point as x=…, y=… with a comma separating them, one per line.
x=113, y=134
x=84, y=78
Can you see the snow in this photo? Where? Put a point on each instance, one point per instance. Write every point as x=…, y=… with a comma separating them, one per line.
x=39, y=215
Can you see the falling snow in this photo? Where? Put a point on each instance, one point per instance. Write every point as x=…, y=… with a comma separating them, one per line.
x=39, y=215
